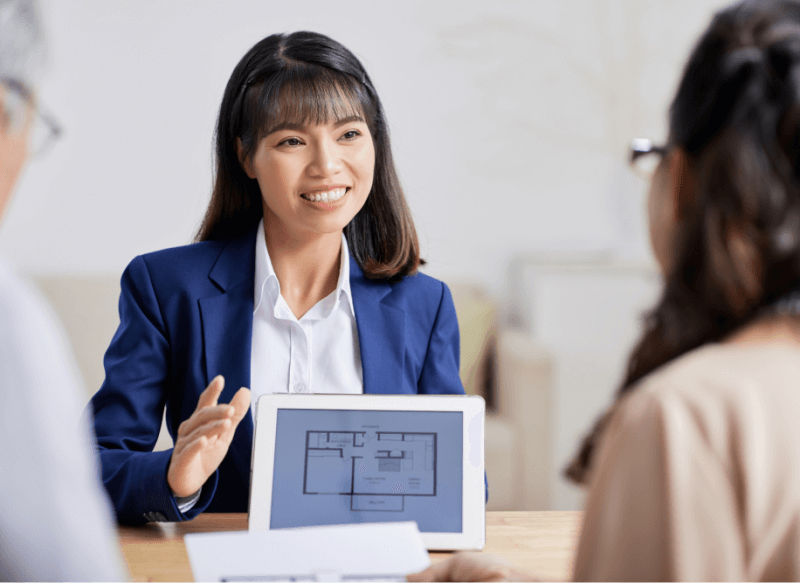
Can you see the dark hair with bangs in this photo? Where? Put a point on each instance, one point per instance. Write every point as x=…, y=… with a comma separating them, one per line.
x=736, y=116
x=308, y=78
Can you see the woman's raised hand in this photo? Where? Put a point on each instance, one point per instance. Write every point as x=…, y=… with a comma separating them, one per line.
x=203, y=439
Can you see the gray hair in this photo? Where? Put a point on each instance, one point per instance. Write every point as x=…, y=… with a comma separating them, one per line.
x=22, y=48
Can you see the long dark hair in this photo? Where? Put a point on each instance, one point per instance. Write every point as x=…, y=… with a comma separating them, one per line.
x=736, y=116
x=303, y=78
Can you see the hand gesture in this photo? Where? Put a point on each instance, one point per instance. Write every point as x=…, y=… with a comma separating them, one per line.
x=471, y=567
x=203, y=439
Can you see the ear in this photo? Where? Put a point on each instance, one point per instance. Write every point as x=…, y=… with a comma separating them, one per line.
x=245, y=162
x=681, y=182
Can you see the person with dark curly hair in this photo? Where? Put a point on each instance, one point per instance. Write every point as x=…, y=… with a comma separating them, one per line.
x=694, y=472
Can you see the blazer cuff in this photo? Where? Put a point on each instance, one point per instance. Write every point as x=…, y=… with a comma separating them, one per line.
x=206, y=496
x=187, y=502
x=172, y=508
x=156, y=503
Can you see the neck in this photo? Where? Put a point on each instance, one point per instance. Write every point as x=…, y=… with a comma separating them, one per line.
x=777, y=322
x=306, y=265
x=769, y=329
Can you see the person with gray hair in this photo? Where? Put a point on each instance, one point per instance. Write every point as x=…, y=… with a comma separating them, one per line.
x=55, y=520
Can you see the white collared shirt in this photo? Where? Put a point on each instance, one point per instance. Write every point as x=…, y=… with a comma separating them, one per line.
x=319, y=353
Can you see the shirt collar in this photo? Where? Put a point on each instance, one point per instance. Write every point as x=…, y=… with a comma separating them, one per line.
x=267, y=286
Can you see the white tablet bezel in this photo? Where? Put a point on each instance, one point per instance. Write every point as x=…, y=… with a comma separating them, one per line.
x=473, y=507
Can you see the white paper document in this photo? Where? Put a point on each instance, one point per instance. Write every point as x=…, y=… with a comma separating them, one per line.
x=353, y=552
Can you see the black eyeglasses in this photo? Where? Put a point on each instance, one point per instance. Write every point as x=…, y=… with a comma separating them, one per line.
x=44, y=129
x=645, y=156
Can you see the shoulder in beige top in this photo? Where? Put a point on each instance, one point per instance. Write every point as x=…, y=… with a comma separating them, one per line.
x=698, y=474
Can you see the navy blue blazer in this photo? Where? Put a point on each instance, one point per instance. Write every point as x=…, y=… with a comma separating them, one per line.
x=186, y=315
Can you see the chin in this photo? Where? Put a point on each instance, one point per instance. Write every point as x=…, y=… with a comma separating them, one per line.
x=327, y=227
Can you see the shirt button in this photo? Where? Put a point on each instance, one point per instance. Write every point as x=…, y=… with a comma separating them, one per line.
x=299, y=388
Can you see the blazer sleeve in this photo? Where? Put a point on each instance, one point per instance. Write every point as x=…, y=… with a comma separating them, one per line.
x=129, y=406
x=440, y=370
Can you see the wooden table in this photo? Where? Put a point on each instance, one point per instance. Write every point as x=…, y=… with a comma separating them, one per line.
x=540, y=542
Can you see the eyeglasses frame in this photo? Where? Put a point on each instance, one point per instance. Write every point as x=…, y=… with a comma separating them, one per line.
x=55, y=129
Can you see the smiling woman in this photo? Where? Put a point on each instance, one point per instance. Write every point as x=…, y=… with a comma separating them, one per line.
x=303, y=279
x=286, y=85
x=313, y=179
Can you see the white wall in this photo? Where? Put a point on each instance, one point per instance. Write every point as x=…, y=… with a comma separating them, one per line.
x=510, y=123
x=509, y=120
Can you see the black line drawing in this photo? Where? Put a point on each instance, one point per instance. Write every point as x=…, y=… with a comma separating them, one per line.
x=376, y=469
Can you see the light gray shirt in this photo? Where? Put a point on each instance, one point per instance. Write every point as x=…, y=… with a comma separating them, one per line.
x=55, y=519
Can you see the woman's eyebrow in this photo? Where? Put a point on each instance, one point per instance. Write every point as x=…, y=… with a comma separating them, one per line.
x=299, y=127
x=287, y=125
x=349, y=119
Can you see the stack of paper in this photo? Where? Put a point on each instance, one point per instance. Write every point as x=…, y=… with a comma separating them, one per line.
x=386, y=551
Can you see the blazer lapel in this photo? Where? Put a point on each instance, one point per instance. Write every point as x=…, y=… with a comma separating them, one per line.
x=227, y=320
x=381, y=334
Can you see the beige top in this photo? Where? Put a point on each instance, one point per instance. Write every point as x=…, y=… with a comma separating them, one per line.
x=698, y=474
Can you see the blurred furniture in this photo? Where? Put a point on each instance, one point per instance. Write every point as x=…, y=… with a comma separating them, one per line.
x=542, y=543
x=514, y=374
x=87, y=306
x=510, y=370
x=586, y=308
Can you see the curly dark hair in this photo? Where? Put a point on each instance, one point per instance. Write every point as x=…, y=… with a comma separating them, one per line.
x=736, y=118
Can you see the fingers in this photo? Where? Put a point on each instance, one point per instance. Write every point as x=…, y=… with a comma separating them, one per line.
x=234, y=411
x=436, y=572
x=241, y=403
x=203, y=416
x=470, y=566
x=208, y=398
x=211, y=431
x=194, y=446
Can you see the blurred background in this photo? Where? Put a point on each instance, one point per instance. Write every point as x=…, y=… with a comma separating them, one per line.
x=510, y=123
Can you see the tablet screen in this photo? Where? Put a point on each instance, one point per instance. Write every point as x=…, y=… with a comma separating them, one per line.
x=346, y=466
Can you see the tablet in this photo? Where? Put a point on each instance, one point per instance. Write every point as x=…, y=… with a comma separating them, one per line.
x=343, y=459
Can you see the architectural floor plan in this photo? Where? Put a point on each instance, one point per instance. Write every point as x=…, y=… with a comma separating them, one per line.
x=376, y=469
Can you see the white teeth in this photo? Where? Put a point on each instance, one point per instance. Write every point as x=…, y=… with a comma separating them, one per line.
x=330, y=196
